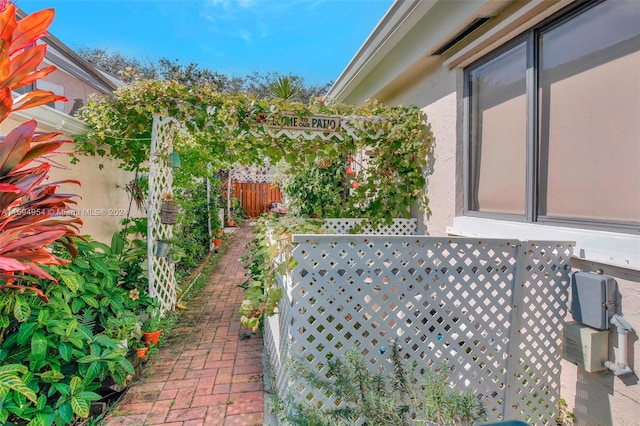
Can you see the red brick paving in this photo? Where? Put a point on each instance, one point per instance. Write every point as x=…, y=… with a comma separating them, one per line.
x=208, y=374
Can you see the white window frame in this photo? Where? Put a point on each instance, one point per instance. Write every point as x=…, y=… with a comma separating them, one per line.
x=605, y=245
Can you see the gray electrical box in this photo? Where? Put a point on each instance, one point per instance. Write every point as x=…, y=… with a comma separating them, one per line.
x=593, y=299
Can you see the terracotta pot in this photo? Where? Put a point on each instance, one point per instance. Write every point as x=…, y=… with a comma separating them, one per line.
x=142, y=352
x=219, y=232
x=151, y=336
x=217, y=242
x=231, y=223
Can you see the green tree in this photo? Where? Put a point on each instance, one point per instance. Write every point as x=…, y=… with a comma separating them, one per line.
x=129, y=69
x=121, y=66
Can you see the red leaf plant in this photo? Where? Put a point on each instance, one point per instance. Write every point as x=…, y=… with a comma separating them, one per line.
x=32, y=214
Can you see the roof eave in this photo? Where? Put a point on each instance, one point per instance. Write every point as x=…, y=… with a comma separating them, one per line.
x=73, y=56
x=52, y=120
x=392, y=27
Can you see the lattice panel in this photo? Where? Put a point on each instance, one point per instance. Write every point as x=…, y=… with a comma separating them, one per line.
x=161, y=272
x=398, y=227
x=253, y=174
x=441, y=299
x=542, y=308
x=276, y=336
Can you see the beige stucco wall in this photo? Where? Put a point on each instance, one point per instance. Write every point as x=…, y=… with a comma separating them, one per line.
x=69, y=86
x=102, y=201
x=595, y=398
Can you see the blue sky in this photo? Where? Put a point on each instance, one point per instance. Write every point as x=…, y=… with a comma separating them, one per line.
x=315, y=39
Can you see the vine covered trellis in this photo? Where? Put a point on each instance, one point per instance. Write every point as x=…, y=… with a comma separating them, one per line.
x=390, y=145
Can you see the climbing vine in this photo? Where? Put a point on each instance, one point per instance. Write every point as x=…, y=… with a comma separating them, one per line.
x=220, y=130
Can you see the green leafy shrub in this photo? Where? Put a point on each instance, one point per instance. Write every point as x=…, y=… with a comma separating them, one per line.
x=64, y=350
x=318, y=191
x=65, y=361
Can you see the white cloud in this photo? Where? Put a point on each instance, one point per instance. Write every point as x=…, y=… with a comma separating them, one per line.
x=243, y=34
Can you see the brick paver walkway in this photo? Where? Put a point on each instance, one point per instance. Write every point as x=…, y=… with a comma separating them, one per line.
x=210, y=373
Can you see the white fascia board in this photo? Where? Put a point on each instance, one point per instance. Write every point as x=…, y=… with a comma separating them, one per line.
x=404, y=37
x=393, y=26
x=608, y=248
x=52, y=120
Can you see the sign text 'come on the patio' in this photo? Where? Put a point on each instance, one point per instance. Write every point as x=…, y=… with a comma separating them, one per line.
x=322, y=123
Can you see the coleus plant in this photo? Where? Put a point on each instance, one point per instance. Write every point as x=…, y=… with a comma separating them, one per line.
x=32, y=214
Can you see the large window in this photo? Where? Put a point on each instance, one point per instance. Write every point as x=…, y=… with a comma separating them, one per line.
x=554, y=123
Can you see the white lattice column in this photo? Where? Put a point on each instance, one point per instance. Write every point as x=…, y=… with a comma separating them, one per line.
x=161, y=271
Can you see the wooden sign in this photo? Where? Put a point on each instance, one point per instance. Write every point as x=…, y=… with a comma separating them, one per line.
x=322, y=123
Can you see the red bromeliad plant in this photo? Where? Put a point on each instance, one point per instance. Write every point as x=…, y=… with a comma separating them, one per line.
x=32, y=214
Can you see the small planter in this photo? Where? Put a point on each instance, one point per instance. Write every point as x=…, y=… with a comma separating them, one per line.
x=231, y=223
x=173, y=160
x=162, y=248
x=220, y=232
x=169, y=212
x=142, y=352
x=217, y=242
x=151, y=336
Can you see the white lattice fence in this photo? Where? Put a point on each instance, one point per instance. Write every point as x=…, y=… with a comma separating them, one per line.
x=161, y=271
x=397, y=227
x=540, y=311
x=253, y=174
x=458, y=301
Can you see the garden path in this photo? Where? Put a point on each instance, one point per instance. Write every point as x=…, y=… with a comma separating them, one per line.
x=210, y=371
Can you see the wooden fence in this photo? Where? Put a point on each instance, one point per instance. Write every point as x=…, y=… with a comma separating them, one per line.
x=256, y=198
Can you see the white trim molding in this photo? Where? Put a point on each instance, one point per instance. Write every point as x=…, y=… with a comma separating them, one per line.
x=608, y=248
x=52, y=120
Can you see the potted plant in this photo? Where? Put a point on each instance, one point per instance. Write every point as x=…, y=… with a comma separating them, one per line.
x=142, y=350
x=124, y=327
x=162, y=248
x=151, y=328
x=168, y=209
x=217, y=242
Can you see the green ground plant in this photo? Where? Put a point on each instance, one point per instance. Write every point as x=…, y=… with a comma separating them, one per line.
x=191, y=233
x=66, y=360
x=400, y=399
x=68, y=348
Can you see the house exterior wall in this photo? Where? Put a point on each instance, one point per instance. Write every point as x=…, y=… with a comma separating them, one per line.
x=102, y=200
x=63, y=83
x=435, y=84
